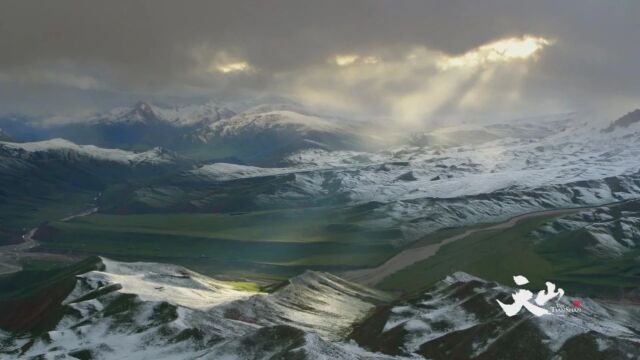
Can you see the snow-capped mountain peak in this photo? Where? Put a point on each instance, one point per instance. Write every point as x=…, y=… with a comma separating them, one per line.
x=177, y=116
x=142, y=106
x=141, y=112
x=192, y=115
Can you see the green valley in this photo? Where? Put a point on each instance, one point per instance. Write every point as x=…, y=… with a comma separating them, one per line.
x=269, y=244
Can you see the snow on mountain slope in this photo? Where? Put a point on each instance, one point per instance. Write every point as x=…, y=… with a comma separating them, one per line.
x=170, y=283
x=190, y=115
x=272, y=120
x=418, y=217
x=329, y=309
x=267, y=106
x=453, y=171
x=178, y=116
x=460, y=319
x=225, y=171
x=423, y=189
x=65, y=149
x=266, y=130
x=609, y=231
x=467, y=134
x=219, y=120
x=157, y=311
x=265, y=134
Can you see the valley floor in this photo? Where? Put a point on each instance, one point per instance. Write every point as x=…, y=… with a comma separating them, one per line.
x=220, y=250
x=414, y=254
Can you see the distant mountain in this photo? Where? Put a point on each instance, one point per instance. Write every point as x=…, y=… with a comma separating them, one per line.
x=64, y=150
x=260, y=133
x=536, y=128
x=52, y=179
x=418, y=189
x=176, y=116
x=141, y=126
x=5, y=137
x=267, y=133
x=625, y=121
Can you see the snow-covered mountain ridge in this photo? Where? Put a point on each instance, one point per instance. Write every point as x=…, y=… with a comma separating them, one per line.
x=263, y=132
x=558, y=157
x=272, y=119
x=425, y=188
x=64, y=149
x=179, y=116
x=158, y=311
x=460, y=319
x=608, y=231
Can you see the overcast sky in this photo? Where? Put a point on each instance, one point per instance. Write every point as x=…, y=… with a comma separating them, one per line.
x=413, y=62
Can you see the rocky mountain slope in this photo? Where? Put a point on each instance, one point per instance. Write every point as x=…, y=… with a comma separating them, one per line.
x=529, y=167
x=625, y=121
x=282, y=130
x=39, y=178
x=460, y=319
x=605, y=232
x=141, y=126
x=192, y=115
x=155, y=311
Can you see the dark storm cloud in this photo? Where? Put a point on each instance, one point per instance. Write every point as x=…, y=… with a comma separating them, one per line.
x=164, y=46
x=149, y=35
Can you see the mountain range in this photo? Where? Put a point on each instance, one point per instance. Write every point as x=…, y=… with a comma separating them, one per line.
x=37, y=176
x=151, y=311
x=211, y=231
x=263, y=132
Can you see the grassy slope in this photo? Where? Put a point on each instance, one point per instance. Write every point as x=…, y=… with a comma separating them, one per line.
x=492, y=254
x=500, y=254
